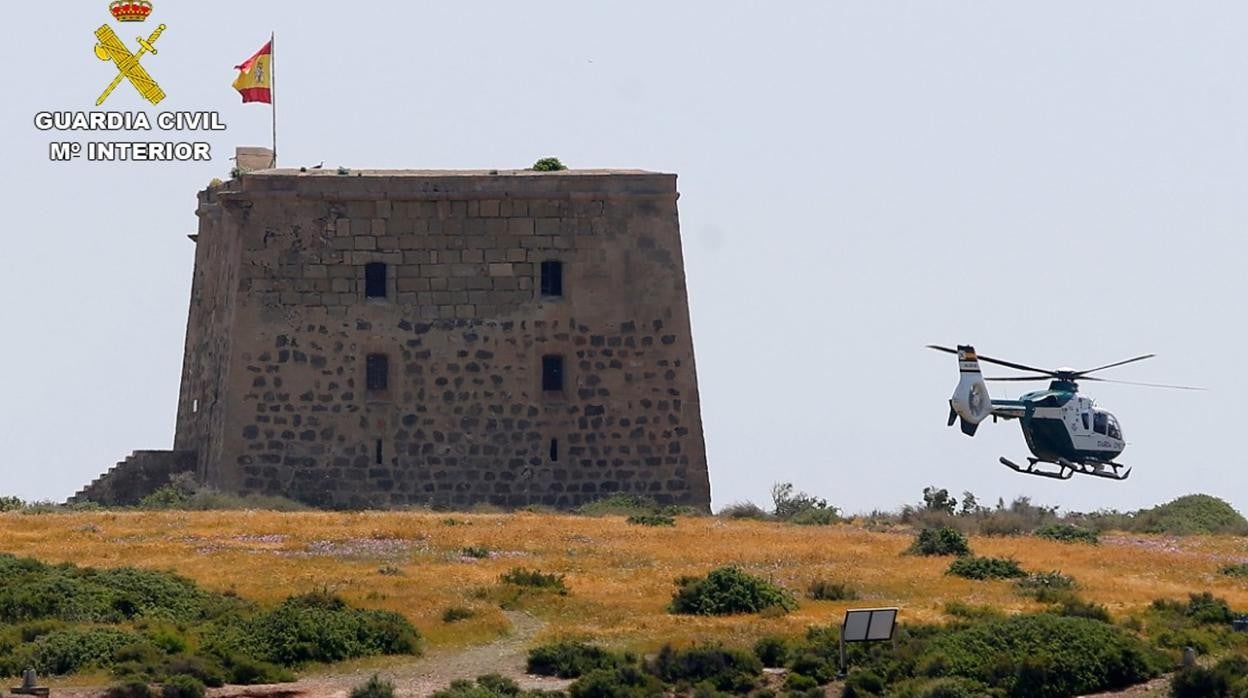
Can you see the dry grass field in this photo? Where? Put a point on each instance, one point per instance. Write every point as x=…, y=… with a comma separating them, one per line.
x=620, y=575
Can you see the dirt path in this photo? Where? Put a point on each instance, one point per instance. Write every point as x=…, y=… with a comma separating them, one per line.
x=425, y=675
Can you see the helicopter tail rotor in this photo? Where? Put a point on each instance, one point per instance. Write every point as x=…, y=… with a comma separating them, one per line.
x=970, y=403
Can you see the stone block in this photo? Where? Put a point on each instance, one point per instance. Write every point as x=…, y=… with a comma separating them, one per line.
x=502, y=270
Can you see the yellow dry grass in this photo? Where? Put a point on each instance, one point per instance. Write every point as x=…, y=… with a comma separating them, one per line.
x=620, y=575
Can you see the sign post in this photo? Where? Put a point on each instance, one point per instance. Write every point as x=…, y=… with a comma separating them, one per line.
x=867, y=625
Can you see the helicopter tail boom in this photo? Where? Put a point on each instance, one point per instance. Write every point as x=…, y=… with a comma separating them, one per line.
x=970, y=403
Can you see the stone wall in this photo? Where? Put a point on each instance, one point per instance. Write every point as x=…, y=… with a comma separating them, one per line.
x=274, y=397
x=142, y=473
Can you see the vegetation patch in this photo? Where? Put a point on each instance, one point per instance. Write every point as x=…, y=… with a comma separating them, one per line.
x=1235, y=570
x=1042, y=655
x=454, y=614
x=534, y=579
x=986, y=568
x=801, y=508
x=1068, y=533
x=1226, y=679
x=146, y=626
x=707, y=666
x=1191, y=515
x=375, y=687
x=826, y=590
x=1045, y=586
x=548, y=165
x=940, y=541
x=726, y=591
x=569, y=660
x=652, y=520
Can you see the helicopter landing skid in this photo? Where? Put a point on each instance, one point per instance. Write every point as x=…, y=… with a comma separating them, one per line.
x=1064, y=474
x=1107, y=469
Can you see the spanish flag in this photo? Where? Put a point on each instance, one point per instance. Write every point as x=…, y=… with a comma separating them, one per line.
x=255, y=77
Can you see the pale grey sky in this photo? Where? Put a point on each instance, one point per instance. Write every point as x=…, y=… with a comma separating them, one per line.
x=1059, y=183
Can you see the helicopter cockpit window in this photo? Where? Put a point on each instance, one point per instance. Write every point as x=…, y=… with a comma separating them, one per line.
x=1114, y=431
x=1099, y=422
x=1086, y=422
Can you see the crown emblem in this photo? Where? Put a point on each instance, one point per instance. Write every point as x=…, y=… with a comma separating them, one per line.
x=130, y=10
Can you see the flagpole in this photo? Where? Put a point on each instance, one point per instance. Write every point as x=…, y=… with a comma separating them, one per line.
x=273, y=89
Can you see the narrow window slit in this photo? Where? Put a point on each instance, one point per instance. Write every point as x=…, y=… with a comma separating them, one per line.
x=554, y=450
x=378, y=455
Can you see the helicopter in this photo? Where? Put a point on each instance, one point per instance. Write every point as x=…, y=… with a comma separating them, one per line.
x=1061, y=427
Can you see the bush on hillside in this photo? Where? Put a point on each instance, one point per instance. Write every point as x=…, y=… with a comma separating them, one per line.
x=940, y=541
x=726, y=669
x=569, y=660
x=1193, y=514
x=1045, y=586
x=827, y=590
x=1234, y=570
x=1067, y=533
x=1226, y=679
x=744, y=510
x=772, y=651
x=11, y=504
x=986, y=568
x=182, y=686
x=1043, y=655
x=491, y=686
x=651, y=520
x=801, y=508
x=321, y=627
x=129, y=689
x=375, y=687
x=534, y=579
x=620, y=682
x=726, y=591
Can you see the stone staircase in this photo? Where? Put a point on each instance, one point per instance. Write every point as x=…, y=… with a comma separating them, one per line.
x=140, y=474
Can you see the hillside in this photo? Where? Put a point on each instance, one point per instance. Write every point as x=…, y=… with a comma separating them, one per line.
x=620, y=576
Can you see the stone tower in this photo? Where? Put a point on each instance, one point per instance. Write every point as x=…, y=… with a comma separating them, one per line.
x=382, y=338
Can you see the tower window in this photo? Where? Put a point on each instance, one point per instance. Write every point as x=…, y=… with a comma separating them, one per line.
x=375, y=280
x=377, y=452
x=554, y=450
x=377, y=372
x=552, y=373
x=552, y=278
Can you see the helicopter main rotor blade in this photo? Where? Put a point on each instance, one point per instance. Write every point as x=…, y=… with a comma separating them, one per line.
x=1116, y=363
x=1018, y=378
x=1146, y=385
x=999, y=362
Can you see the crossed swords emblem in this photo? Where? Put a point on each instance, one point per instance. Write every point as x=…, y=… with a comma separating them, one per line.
x=128, y=67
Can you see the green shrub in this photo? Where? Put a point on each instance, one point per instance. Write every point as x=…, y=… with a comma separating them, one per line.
x=548, y=165
x=1043, y=655
x=826, y=590
x=1202, y=608
x=454, y=614
x=490, y=686
x=479, y=552
x=799, y=682
x=1068, y=533
x=726, y=669
x=940, y=541
x=534, y=579
x=320, y=627
x=1075, y=607
x=986, y=568
x=1228, y=678
x=375, y=687
x=945, y=687
x=863, y=682
x=772, y=651
x=651, y=520
x=129, y=689
x=207, y=671
x=744, y=510
x=246, y=671
x=568, y=660
x=619, y=682
x=801, y=508
x=1193, y=514
x=182, y=686
x=67, y=651
x=11, y=504
x=1046, y=586
x=973, y=612
x=728, y=590
x=1234, y=570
